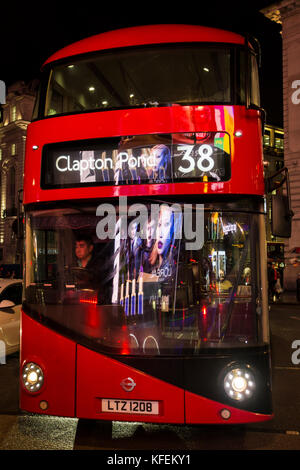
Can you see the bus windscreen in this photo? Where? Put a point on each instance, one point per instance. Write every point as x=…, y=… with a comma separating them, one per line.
x=142, y=77
x=175, y=279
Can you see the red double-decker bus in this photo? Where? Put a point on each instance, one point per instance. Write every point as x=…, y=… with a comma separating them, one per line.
x=145, y=267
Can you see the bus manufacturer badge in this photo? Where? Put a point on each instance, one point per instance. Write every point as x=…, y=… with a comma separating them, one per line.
x=128, y=384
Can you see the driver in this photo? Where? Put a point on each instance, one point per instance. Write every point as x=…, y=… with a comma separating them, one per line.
x=84, y=251
x=86, y=259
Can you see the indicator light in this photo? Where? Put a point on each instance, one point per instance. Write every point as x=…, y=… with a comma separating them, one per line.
x=225, y=414
x=43, y=405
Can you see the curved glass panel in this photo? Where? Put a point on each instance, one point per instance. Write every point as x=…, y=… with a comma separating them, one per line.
x=147, y=278
x=141, y=77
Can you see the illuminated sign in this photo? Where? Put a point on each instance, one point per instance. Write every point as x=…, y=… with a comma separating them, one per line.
x=159, y=158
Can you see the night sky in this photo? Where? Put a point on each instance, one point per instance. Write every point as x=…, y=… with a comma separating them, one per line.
x=31, y=32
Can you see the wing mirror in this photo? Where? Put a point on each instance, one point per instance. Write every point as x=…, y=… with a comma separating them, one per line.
x=282, y=214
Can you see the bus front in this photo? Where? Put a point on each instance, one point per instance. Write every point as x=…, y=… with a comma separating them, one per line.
x=145, y=267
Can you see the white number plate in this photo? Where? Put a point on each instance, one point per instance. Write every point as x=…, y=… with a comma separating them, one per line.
x=110, y=405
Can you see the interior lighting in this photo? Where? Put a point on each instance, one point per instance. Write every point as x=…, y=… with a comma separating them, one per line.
x=32, y=377
x=239, y=384
x=205, y=69
x=238, y=133
x=91, y=88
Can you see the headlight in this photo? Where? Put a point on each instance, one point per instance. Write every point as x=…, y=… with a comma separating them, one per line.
x=32, y=376
x=239, y=384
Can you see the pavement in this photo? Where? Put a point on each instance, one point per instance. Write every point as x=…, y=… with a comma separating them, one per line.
x=288, y=298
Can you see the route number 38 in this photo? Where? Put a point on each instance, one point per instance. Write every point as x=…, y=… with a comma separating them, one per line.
x=204, y=162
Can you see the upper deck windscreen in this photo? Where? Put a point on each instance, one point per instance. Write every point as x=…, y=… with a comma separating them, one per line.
x=139, y=77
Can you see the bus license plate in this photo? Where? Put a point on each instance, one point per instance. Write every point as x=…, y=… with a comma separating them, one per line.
x=110, y=405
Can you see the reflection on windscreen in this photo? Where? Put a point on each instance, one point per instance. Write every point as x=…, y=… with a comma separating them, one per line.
x=147, y=289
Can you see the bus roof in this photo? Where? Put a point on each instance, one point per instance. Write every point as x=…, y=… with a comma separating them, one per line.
x=142, y=35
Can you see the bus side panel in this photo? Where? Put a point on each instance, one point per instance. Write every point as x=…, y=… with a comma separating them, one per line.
x=202, y=410
x=99, y=376
x=56, y=355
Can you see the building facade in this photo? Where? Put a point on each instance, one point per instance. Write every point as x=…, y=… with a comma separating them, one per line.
x=17, y=113
x=287, y=13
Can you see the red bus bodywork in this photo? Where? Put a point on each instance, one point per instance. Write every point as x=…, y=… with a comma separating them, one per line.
x=77, y=378
x=246, y=150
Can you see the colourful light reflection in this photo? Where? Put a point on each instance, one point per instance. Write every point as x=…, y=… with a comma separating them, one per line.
x=88, y=301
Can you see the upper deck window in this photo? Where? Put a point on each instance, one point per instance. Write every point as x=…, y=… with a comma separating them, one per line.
x=141, y=77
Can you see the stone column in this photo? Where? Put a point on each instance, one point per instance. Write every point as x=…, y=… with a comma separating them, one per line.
x=287, y=12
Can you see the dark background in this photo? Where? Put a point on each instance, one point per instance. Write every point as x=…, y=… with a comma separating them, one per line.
x=31, y=32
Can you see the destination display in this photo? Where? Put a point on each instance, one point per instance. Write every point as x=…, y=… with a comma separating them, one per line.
x=146, y=159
